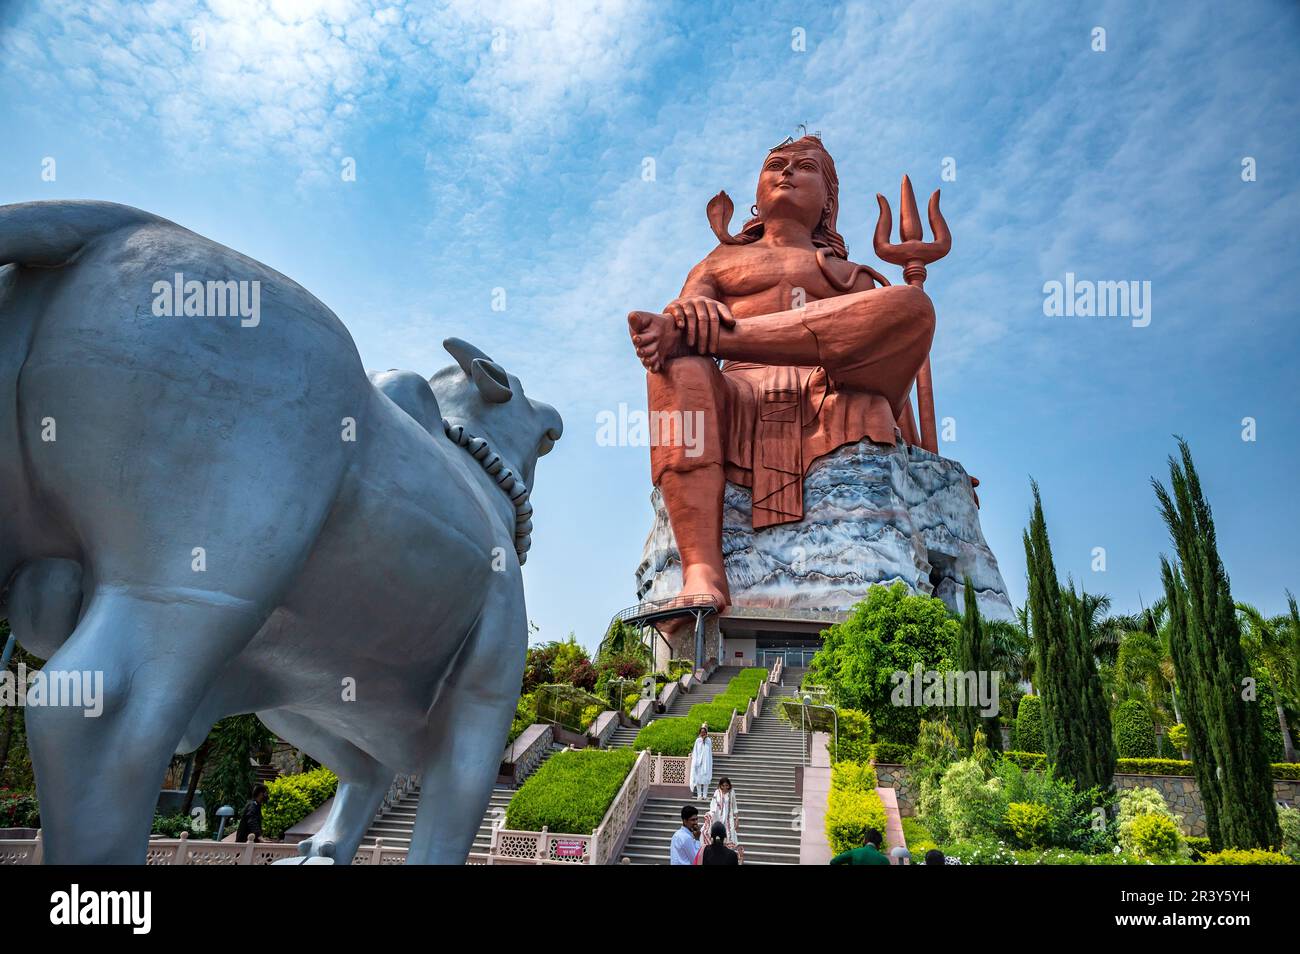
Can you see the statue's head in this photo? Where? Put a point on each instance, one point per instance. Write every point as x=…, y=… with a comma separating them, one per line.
x=489, y=402
x=798, y=181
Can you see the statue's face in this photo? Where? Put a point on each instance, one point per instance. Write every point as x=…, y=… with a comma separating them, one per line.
x=791, y=184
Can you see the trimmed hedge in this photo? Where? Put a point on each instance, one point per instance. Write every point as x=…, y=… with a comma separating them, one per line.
x=1286, y=770
x=675, y=736
x=1134, y=730
x=849, y=814
x=717, y=716
x=291, y=798
x=1026, y=760
x=571, y=792
x=1029, y=725
x=856, y=776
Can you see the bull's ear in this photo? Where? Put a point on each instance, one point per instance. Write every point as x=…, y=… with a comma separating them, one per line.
x=491, y=380
x=464, y=353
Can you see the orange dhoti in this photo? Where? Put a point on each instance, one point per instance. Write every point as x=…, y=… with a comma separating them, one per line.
x=766, y=424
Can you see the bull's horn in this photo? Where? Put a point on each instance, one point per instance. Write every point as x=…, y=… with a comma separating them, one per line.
x=491, y=380
x=464, y=353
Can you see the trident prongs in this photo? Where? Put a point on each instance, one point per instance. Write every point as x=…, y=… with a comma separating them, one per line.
x=911, y=252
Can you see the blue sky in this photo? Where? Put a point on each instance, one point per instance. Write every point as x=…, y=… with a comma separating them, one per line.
x=502, y=146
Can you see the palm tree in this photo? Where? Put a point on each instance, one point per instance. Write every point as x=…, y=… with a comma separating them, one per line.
x=1273, y=645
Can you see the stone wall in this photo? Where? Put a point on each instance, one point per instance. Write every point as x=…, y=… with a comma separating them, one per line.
x=1179, y=791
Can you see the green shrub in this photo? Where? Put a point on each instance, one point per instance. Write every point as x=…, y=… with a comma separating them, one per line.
x=172, y=826
x=853, y=776
x=1153, y=767
x=1030, y=824
x=1138, y=837
x=673, y=736
x=718, y=717
x=849, y=814
x=1247, y=856
x=1288, y=819
x=1026, y=760
x=1134, y=730
x=1166, y=748
x=571, y=792
x=891, y=753
x=1155, y=836
x=291, y=798
x=971, y=804
x=918, y=838
x=1029, y=725
x=853, y=737
x=1286, y=770
x=1071, y=812
x=589, y=715
x=1178, y=737
x=1198, y=845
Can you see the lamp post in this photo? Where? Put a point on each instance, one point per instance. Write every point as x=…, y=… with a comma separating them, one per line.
x=224, y=812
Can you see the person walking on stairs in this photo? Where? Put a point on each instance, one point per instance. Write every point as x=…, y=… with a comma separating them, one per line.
x=722, y=808
x=702, y=763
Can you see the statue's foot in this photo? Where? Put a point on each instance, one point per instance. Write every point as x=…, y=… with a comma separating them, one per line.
x=656, y=337
x=703, y=580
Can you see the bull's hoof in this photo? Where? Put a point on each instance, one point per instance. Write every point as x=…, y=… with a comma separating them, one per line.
x=308, y=848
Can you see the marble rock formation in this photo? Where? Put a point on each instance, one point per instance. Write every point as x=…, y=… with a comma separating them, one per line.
x=873, y=513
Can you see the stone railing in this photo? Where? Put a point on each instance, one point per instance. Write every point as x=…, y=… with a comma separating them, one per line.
x=669, y=693
x=688, y=681
x=525, y=753
x=21, y=851
x=775, y=674
x=670, y=769
x=603, y=727
x=642, y=711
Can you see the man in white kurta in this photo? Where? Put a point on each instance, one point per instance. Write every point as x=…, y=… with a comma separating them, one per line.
x=702, y=763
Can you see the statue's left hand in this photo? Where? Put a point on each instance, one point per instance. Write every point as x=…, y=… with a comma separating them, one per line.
x=702, y=319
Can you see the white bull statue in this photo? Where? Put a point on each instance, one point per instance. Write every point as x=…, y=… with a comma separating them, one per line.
x=205, y=498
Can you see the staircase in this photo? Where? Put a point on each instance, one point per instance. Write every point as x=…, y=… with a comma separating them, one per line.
x=395, y=825
x=761, y=769
x=624, y=736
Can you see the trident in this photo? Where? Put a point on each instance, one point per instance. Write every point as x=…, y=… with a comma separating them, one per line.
x=914, y=254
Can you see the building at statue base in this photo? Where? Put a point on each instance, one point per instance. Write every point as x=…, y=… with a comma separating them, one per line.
x=873, y=513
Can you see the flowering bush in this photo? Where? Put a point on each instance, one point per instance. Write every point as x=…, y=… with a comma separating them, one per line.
x=18, y=809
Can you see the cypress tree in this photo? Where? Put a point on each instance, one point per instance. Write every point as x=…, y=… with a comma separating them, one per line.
x=1228, y=753
x=975, y=655
x=1076, y=722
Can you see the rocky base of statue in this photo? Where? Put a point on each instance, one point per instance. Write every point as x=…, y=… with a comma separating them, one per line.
x=872, y=514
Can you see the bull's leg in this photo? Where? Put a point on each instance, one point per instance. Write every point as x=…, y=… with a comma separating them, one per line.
x=363, y=782
x=151, y=652
x=468, y=726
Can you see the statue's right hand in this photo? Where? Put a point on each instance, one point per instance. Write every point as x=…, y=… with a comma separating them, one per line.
x=702, y=319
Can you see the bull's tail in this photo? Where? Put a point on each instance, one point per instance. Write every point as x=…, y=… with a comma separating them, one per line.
x=50, y=234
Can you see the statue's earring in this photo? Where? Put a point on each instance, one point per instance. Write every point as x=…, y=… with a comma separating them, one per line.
x=753, y=210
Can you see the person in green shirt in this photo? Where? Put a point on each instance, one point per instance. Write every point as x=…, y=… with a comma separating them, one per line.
x=868, y=854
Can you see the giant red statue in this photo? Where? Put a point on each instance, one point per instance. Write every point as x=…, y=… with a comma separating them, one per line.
x=814, y=352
